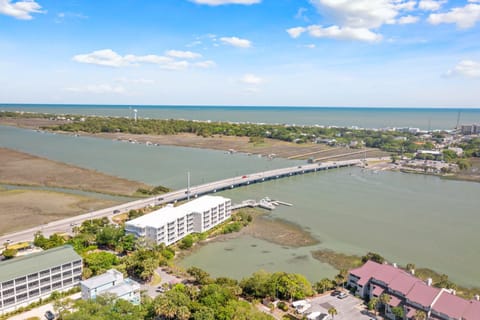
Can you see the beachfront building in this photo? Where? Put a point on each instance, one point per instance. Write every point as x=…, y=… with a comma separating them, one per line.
x=469, y=129
x=111, y=282
x=170, y=224
x=26, y=279
x=410, y=293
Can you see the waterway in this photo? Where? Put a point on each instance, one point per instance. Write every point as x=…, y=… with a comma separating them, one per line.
x=407, y=218
x=423, y=118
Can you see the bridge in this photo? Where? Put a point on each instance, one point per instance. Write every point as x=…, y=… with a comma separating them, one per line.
x=65, y=225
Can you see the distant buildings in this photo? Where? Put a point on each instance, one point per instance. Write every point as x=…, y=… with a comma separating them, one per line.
x=170, y=224
x=111, y=282
x=26, y=279
x=410, y=293
x=468, y=129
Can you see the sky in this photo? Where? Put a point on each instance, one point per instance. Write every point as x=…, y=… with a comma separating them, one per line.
x=407, y=53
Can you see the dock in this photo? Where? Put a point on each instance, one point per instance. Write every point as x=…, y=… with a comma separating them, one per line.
x=265, y=203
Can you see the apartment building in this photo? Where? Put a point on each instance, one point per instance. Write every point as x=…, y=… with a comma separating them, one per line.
x=111, y=282
x=26, y=279
x=170, y=224
x=410, y=293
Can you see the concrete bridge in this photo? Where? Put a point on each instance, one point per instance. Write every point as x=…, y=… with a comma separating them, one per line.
x=65, y=225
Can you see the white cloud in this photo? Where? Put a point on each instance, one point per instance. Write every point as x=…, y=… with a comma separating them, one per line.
x=408, y=19
x=345, y=33
x=431, y=5
x=109, y=58
x=296, y=32
x=310, y=46
x=251, y=79
x=236, y=42
x=98, y=89
x=357, y=20
x=205, y=64
x=20, y=9
x=183, y=54
x=301, y=14
x=464, y=17
x=62, y=16
x=223, y=2
x=467, y=68
x=364, y=13
x=134, y=81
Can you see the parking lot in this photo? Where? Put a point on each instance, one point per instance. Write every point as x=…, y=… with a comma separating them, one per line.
x=347, y=308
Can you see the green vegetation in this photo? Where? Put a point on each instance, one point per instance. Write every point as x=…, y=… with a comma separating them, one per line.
x=256, y=132
x=286, y=286
x=471, y=148
x=154, y=191
x=238, y=221
x=337, y=260
x=9, y=253
x=324, y=285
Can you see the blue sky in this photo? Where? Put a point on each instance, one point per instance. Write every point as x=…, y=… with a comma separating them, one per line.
x=241, y=52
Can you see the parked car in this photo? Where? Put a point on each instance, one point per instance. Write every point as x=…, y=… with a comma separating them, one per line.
x=342, y=295
x=335, y=293
x=49, y=315
x=116, y=211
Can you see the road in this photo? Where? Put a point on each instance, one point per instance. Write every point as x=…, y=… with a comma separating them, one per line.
x=65, y=225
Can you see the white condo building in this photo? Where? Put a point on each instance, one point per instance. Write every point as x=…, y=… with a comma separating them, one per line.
x=26, y=279
x=170, y=224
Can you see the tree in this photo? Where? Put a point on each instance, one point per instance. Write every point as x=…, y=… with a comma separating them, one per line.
x=9, y=253
x=385, y=300
x=62, y=307
x=398, y=312
x=420, y=315
x=324, y=285
x=341, y=277
x=333, y=312
x=101, y=261
x=374, y=257
x=201, y=277
x=410, y=266
x=186, y=242
x=372, y=304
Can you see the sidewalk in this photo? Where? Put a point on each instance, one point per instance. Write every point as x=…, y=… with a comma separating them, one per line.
x=40, y=311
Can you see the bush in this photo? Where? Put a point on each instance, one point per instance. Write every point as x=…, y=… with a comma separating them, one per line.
x=282, y=306
x=9, y=253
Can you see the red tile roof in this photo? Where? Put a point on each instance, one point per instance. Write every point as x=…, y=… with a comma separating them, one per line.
x=378, y=291
x=423, y=294
x=451, y=305
x=473, y=311
x=394, y=301
x=403, y=282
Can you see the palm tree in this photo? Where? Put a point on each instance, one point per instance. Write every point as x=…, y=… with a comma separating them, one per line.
x=333, y=312
x=420, y=315
x=373, y=304
x=385, y=300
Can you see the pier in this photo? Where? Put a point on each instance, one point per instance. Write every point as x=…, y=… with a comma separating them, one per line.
x=265, y=203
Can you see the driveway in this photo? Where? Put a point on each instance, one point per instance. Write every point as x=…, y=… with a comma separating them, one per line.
x=165, y=279
x=347, y=309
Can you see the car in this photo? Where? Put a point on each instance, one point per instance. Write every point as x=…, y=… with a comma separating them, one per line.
x=160, y=289
x=335, y=293
x=49, y=315
x=244, y=177
x=342, y=295
x=116, y=211
x=159, y=199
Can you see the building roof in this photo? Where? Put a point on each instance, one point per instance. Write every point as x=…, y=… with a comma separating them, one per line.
x=205, y=202
x=394, y=301
x=451, y=305
x=381, y=272
x=403, y=282
x=473, y=311
x=123, y=288
x=378, y=291
x=157, y=218
x=36, y=262
x=168, y=214
x=100, y=280
x=423, y=294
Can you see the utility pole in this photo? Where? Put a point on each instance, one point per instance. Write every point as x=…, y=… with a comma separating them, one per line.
x=188, y=185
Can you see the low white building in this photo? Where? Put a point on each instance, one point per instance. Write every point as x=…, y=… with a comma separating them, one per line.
x=170, y=224
x=111, y=282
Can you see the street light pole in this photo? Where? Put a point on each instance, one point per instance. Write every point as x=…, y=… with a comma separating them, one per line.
x=188, y=185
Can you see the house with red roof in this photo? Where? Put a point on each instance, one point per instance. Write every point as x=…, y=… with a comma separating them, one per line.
x=410, y=293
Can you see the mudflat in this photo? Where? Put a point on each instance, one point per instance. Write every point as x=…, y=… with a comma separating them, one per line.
x=22, y=209
x=20, y=168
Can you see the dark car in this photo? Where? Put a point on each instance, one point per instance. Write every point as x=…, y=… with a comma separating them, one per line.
x=116, y=211
x=49, y=315
x=335, y=293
